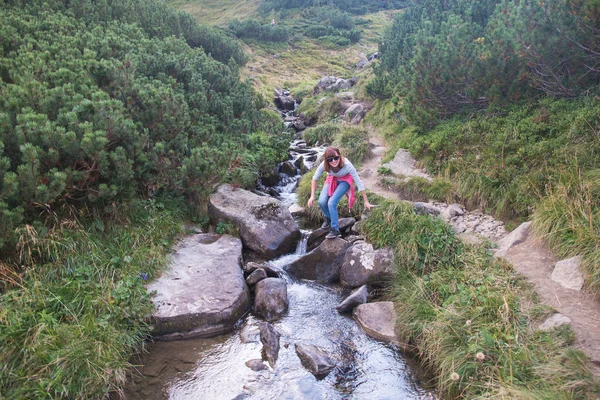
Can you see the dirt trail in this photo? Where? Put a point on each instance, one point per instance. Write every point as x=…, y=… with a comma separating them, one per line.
x=531, y=259
x=534, y=261
x=368, y=171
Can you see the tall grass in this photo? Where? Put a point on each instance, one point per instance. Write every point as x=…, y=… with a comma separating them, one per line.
x=460, y=307
x=568, y=218
x=81, y=309
x=353, y=143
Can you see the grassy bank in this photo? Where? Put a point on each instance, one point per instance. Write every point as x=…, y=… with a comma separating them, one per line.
x=538, y=161
x=70, y=323
x=461, y=309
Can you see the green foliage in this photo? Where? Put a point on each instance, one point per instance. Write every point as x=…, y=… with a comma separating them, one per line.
x=353, y=142
x=252, y=29
x=422, y=189
x=459, y=308
x=118, y=101
x=352, y=6
x=70, y=327
x=420, y=242
x=540, y=160
x=456, y=57
x=227, y=228
x=322, y=134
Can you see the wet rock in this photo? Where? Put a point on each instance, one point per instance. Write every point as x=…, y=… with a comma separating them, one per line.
x=426, y=208
x=362, y=264
x=271, y=300
x=568, y=274
x=284, y=102
x=345, y=223
x=269, y=337
x=256, y=365
x=315, y=238
x=315, y=359
x=299, y=163
x=270, y=178
x=256, y=276
x=249, y=334
x=517, y=236
x=357, y=297
x=288, y=168
x=378, y=320
x=296, y=210
x=203, y=292
x=555, y=321
x=323, y=264
x=266, y=227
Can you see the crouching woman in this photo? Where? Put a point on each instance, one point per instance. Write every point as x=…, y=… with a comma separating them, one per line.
x=341, y=177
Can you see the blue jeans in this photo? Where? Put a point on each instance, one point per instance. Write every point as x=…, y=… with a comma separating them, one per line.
x=329, y=204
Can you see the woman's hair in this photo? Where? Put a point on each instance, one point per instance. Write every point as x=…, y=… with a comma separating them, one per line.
x=330, y=152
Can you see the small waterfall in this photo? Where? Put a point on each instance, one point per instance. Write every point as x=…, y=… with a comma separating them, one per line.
x=301, y=248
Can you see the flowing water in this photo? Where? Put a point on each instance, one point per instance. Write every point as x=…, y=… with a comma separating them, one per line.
x=215, y=368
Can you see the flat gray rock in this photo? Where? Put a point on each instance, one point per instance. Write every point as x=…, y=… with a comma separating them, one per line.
x=568, y=274
x=555, y=321
x=266, y=227
x=404, y=164
x=203, y=292
x=378, y=320
x=315, y=359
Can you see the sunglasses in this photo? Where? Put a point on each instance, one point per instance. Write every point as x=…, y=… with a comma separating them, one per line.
x=332, y=159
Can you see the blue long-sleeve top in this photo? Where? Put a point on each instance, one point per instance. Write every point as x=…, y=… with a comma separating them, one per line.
x=348, y=169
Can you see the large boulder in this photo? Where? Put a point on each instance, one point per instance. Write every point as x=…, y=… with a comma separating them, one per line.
x=315, y=359
x=378, y=320
x=203, y=292
x=323, y=264
x=271, y=300
x=266, y=227
x=362, y=265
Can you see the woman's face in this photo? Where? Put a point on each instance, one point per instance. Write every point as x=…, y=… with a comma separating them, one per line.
x=334, y=160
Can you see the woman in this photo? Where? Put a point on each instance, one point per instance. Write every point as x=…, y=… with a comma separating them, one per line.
x=341, y=176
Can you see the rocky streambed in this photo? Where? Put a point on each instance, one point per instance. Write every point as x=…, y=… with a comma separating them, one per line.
x=276, y=313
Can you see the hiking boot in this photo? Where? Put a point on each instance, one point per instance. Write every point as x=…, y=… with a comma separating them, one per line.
x=333, y=233
x=326, y=224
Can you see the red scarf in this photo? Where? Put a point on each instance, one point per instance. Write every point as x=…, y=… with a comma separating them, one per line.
x=333, y=182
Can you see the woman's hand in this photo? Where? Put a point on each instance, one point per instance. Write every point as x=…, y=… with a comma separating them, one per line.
x=368, y=205
x=311, y=201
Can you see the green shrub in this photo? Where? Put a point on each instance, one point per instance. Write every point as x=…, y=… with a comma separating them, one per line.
x=354, y=144
x=323, y=133
x=71, y=324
